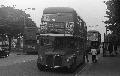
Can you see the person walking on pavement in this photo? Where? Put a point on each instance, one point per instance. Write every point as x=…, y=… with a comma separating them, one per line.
x=86, y=54
x=115, y=48
x=110, y=48
x=94, y=53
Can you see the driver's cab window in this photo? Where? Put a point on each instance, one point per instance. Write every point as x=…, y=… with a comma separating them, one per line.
x=46, y=41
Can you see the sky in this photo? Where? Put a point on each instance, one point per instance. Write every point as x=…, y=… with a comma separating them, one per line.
x=92, y=11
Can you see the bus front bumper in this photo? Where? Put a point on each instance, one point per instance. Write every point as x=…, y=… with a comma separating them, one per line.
x=46, y=67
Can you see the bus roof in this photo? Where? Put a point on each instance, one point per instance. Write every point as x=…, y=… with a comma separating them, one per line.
x=56, y=35
x=54, y=10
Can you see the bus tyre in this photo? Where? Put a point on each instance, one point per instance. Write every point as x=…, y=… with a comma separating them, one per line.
x=73, y=66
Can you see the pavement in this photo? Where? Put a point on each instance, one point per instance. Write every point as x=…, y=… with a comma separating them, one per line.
x=106, y=66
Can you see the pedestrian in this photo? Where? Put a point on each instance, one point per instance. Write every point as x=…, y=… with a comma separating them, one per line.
x=94, y=53
x=110, y=48
x=104, y=49
x=115, y=48
x=86, y=54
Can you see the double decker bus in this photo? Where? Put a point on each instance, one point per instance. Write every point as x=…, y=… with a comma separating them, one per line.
x=94, y=39
x=62, y=40
x=30, y=40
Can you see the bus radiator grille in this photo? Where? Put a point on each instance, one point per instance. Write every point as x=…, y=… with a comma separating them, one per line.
x=58, y=61
x=49, y=60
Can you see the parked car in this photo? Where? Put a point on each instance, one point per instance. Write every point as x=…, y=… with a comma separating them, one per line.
x=4, y=50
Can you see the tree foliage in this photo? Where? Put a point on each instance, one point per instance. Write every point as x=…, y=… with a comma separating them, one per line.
x=13, y=21
x=113, y=15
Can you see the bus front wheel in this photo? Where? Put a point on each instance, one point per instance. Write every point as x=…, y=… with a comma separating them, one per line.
x=40, y=67
x=73, y=66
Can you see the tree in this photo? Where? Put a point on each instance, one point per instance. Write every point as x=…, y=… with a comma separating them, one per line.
x=13, y=21
x=113, y=15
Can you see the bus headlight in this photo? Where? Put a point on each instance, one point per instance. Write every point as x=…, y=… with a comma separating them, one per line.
x=68, y=60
